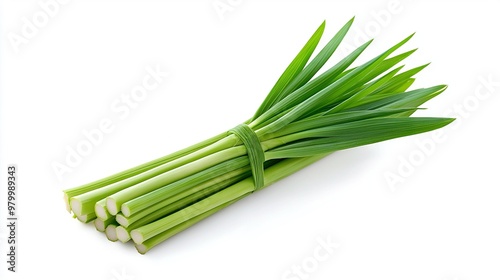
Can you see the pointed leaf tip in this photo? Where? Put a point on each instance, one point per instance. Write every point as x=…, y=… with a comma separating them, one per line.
x=443, y=87
x=407, y=38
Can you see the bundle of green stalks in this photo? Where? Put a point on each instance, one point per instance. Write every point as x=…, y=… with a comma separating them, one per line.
x=305, y=117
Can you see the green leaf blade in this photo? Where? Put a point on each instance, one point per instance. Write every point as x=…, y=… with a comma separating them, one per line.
x=292, y=70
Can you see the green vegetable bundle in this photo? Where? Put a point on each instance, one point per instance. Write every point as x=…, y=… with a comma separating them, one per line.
x=304, y=118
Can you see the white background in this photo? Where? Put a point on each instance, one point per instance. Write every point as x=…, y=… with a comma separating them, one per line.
x=441, y=221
